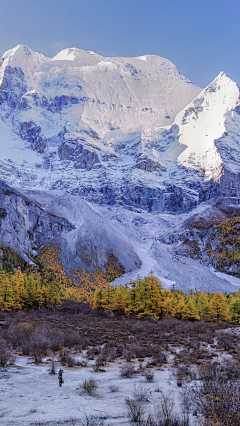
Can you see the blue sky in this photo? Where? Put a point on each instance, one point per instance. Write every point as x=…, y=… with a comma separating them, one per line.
x=201, y=37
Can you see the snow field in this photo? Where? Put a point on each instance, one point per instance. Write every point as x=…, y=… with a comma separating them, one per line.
x=29, y=394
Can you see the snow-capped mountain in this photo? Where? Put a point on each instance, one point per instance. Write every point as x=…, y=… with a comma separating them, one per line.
x=128, y=131
x=122, y=132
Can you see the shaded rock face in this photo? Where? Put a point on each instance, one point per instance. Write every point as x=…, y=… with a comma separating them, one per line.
x=230, y=184
x=94, y=245
x=12, y=87
x=93, y=239
x=85, y=238
x=24, y=225
x=149, y=165
x=30, y=132
x=169, y=199
x=82, y=157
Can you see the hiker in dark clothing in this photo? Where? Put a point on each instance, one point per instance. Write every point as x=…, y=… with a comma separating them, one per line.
x=60, y=377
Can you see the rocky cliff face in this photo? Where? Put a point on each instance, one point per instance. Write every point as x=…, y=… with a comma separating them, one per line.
x=24, y=225
x=84, y=237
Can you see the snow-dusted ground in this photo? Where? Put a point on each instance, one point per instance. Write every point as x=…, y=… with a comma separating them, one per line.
x=30, y=394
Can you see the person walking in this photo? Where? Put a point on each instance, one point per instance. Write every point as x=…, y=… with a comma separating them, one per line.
x=60, y=377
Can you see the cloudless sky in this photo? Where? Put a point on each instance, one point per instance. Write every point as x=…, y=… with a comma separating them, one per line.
x=201, y=37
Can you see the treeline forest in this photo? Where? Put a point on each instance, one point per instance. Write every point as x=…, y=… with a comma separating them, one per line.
x=45, y=284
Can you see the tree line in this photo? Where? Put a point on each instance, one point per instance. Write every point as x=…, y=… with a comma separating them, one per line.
x=47, y=284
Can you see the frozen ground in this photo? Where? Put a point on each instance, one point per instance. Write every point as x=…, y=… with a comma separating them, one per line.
x=29, y=394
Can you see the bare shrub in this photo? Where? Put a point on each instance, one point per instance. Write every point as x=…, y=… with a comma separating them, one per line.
x=135, y=411
x=91, y=354
x=128, y=355
x=151, y=421
x=149, y=375
x=140, y=393
x=127, y=370
x=5, y=355
x=72, y=339
x=159, y=358
x=217, y=397
x=67, y=359
x=56, y=340
x=113, y=388
x=89, y=386
x=91, y=420
x=20, y=334
x=186, y=401
x=165, y=415
x=98, y=364
x=52, y=370
x=112, y=355
x=181, y=374
x=225, y=341
x=38, y=346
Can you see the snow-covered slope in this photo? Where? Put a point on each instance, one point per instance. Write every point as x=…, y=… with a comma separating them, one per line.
x=77, y=121
x=134, y=238
x=126, y=131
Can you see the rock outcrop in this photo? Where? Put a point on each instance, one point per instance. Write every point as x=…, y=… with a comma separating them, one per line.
x=24, y=225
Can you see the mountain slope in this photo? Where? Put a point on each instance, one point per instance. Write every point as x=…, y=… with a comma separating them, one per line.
x=125, y=131
x=100, y=144
x=80, y=114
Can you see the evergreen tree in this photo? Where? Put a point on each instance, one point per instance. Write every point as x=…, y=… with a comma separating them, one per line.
x=178, y=306
x=190, y=311
x=98, y=298
x=6, y=291
x=119, y=303
x=20, y=292
x=203, y=307
x=235, y=309
x=108, y=298
x=219, y=307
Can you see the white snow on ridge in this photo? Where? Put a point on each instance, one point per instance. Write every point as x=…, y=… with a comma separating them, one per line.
x=202, y=122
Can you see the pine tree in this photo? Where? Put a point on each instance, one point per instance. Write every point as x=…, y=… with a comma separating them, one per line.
x=203, y=307
x=6, y=291
x=219, y=307
x=168, y=302
x=143, y=303
x=235, y=309
x=20, y=292
x=119, y=303
x=157, y=299
x=131, y=297
x=44, y=298
x=108, y=298
x=33, y=288
x=178, y=307
x=190, y=311
x=97, y=301
x=53, y=295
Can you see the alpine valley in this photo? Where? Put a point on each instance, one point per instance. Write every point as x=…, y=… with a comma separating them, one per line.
x=125, y=157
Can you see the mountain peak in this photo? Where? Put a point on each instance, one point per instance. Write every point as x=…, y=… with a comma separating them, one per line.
x=24, y=57
x=75, y=54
